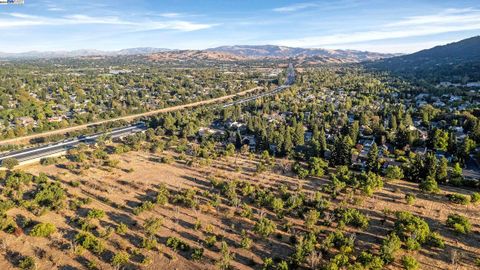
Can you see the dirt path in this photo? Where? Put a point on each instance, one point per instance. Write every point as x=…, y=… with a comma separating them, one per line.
x=128, y=117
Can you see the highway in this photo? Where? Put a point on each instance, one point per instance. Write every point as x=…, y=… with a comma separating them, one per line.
x=244, y=100
x=35, y=153
x=289, y=81
x=60, y=147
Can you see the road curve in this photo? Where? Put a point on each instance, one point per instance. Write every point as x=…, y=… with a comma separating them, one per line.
x=128, y=117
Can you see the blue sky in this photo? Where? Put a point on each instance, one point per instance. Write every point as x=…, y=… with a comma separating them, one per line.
x=382, y=26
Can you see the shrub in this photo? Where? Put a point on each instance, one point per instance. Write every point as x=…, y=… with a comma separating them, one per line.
x=429, y=185
x=410, y=263
x=162, y=195
x=121, y=229
x=9, y=163
x=391, y=244
x=149, y=243
x=152, y=225
x=352, y=217
x=145, y=206
x=247, y=211
x=459, y=223
x=394, y=172
x=50, y=195
x=177, y=244
x=48, y=161
x=227, y=257
x=311, y=218
x=187, y=197
x=475, y=197
x=264, y=227
x=90, y=242
x=167, y=159
x=5, y=206
x=411, y=227
x=27, y=263
x=120, y=259
x=277, y=205
x=17, y=179
x=246, y=242
x=458, y=199
x=197, y=254
x=412, y=244
x=410, y=198
x=210, y=240
x=370, y=182
x=370, y=261
x=305, y=245
x=43, y=230
x=95, y=214
x=436, y=240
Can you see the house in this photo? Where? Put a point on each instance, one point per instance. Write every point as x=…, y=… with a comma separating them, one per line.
x=308, y=136
x=251, y=141
x=420, y=150
x=439, y=104
x=25, y=120
x=55, y=119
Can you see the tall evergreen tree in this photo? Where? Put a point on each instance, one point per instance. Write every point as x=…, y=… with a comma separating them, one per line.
x=442, y=170
x=373, y=161
x=299, y=134
x=341, y=154
x=288, y=144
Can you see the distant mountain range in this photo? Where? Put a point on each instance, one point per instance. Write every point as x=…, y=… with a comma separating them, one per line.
x=82, y=53
x=272, y=51
x=226, y=53
x=458, y=61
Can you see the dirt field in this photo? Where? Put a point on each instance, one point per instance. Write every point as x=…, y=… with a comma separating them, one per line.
x=118, y=192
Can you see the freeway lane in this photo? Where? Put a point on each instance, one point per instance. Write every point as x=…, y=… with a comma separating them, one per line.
x=35, y=153
x=289, y=81
x=51, y=149
x=270, y=93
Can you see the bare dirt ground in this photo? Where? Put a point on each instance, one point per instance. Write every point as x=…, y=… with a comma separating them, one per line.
x=118, y=192
x=127, y=118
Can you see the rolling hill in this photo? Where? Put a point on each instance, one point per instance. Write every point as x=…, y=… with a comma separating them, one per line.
x=224, y=53
x=81, y=53
x=273, y=51
x=458, y=61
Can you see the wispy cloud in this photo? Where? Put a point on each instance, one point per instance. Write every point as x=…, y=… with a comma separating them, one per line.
x=171, y=15
x=450, y=20
x=295, y=7
x=317, y=5
x=26, y=20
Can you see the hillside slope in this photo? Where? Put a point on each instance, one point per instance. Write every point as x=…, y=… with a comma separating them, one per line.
x=458, y=61
x=272, y=51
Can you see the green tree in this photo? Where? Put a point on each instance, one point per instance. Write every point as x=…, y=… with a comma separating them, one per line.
x=373, y=162
x=288, y=144
x=440, y=140
x=299, y=134
x=317, y=166
x=341, y=154
x=429, y=185
x=394, y=172
x=442, y=170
